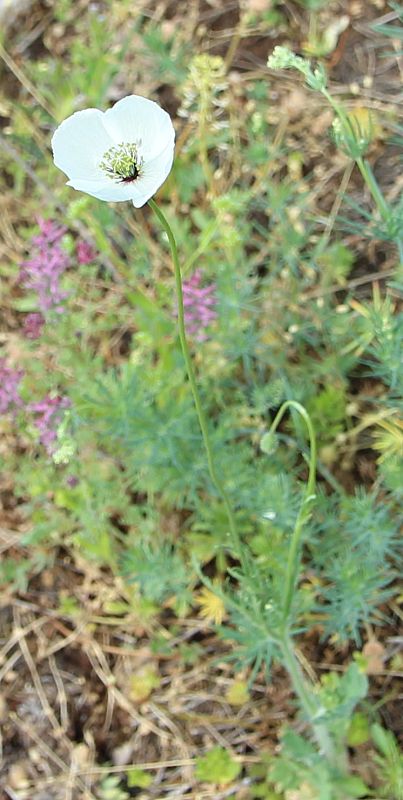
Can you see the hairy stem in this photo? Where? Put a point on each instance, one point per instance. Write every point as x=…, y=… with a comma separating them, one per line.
x=307, y=699
x=192, y=378
x=373, y=187
x=304, y=689
x=304, y=511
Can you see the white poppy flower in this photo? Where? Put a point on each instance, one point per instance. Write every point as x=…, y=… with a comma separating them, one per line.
x=124, y=153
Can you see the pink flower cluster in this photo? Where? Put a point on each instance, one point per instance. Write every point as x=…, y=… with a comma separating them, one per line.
x=33, y=324
x=49, y=416
x=42, y=272
x=85, y=253
x=9, y=383
x=48, y=412
x=199, y=302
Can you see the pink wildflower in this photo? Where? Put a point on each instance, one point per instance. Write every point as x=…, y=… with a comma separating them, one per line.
x=85, y=253
x=42, y=272
x=50, y=412
x=198, y=302
x=49, y=232
x=72, y=481
x=9, y=382
x=33, y=324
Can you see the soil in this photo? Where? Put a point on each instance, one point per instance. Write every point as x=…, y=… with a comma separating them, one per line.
x=69, y=708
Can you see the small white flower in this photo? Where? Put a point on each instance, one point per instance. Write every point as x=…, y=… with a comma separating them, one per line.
x=124, y=153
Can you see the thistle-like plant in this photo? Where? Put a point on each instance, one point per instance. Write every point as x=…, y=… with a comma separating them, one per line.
x=351, y=138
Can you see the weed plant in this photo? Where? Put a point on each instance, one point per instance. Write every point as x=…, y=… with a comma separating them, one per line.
x=296, y=375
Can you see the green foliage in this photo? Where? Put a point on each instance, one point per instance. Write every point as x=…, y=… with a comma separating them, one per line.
x=283, y=58
x=16, y=572
x=152, y=427
x=217, y=766
x=158, y=570
x=389, y=762
x=168, y=55
x=87, y=71
x=139, y=779
x=110, y=789
x=313, y=5
x=335, y=263
x=386, y=331
x=328, y=412
x=299, y=766
x=339, y=695
x=389, y=228
x=386, y=220
x=129, y=488
x=390, y=28
x=352, y=543
x=358, y=732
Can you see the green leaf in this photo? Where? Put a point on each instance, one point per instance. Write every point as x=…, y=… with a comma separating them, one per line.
x=352, y=786
x=143, y=683
x=382, y=739
x=298, y=747
x=354, y=684
x=217, y=766
x=138, y=778
x=358, y=732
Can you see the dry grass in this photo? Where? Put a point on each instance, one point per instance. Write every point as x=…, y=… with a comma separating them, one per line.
x=67, y=703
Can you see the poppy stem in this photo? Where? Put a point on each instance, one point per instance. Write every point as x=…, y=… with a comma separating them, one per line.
x=192, y=378
x=304, y=513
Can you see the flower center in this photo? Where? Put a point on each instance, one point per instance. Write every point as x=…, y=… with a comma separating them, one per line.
x=122, y=162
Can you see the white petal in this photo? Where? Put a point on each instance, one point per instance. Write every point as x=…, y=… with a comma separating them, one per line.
x=154, y=175
x=79, y=144
x=104, y=189
x=81, y=141
x=137, y=119
x=139, y=191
